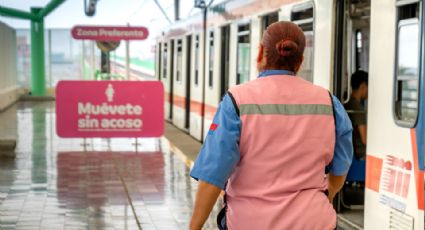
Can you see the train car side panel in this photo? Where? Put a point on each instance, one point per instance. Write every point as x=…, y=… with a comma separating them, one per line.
x=391, y=194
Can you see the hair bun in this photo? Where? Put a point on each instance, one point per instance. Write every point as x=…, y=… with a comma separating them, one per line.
x=286, y=48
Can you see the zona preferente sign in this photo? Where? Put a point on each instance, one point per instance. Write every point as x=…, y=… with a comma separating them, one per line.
x=109, y=33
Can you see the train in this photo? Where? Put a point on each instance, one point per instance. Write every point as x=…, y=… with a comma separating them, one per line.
x=197, y=63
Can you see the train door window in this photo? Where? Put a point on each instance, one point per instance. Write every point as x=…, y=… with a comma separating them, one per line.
x=164, y=61
x=224, y=60
x=197, y=56
x=243, y=54
x=211, y=60
x=303, y=16
x=188, y=64
x=179, y=61
x=407, y=65
x=268, y=19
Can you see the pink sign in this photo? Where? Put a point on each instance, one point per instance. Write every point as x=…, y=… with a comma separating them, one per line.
x=109, y=33
x=110, y=109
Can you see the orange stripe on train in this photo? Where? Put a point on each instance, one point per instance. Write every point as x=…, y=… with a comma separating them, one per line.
x=419, y=175
x=373, y=172
x=195, y=106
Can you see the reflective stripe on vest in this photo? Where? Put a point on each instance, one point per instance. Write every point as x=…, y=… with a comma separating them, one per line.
x=286, y=109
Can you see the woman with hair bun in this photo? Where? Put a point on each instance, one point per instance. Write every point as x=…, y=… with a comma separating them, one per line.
x=269, y=145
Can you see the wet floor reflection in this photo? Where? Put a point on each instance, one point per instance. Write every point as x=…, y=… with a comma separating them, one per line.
x=54, y=184
x=104, y=185
x=39, y=164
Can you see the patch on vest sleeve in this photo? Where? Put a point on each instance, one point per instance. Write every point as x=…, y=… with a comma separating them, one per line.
x=213, y=127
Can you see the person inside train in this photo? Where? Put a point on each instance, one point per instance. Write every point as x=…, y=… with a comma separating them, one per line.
x=357, y=113
x=269, y=144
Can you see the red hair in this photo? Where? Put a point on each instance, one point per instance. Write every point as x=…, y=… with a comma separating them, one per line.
x=283, y=44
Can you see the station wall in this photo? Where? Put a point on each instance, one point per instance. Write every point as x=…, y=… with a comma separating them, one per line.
x=9, y=89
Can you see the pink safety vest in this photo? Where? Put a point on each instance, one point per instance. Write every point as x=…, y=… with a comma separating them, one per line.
x=287, y=139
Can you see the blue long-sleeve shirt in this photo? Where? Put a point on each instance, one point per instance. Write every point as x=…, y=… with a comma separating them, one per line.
x=220, y=153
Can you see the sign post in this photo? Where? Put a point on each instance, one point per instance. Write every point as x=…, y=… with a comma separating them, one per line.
x=108, y=39
x=127, y=59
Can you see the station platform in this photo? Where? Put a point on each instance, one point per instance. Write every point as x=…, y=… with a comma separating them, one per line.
x=56, y=183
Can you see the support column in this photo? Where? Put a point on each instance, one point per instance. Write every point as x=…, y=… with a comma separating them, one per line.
x=37, y=55
x=127, y=59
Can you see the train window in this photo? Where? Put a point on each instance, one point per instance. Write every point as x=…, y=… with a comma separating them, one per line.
x=303, y=16
x=243, y=52
x=268, y=20
x=302, y=12
x=196, y=59
x=211, y=62
x=407, y=66
x=359, y=45
x=164, y=61
x=179, y=62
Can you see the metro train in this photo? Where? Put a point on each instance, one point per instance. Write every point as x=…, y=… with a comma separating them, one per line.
x=385, y=38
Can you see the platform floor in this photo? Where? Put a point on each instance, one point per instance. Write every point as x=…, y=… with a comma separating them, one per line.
x=57, y=183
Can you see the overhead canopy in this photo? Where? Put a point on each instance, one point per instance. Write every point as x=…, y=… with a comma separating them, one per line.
x=10, y=12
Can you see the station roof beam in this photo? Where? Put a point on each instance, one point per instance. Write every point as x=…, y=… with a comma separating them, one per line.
x=9, y=12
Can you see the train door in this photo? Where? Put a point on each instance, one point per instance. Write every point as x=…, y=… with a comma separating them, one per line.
x=351, y=54
x=211, y=96
x=171, y=80
x=188, y=80
x=196, y=88
x=224, y=60
x=243, y=62
x=179, y=101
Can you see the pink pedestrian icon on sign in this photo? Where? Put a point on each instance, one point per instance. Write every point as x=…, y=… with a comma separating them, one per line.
x=110, y=93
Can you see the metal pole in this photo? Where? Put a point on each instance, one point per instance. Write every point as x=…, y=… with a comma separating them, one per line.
x=163, y=11
x=52, y=5
x=176, y=10
x=205, y=9
x=85, y=144
x=83, y=63
x=37, y=55
x=71, y=51
x=93, y=61
x=50, y=56
x=127, y=58
x=136, y=144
